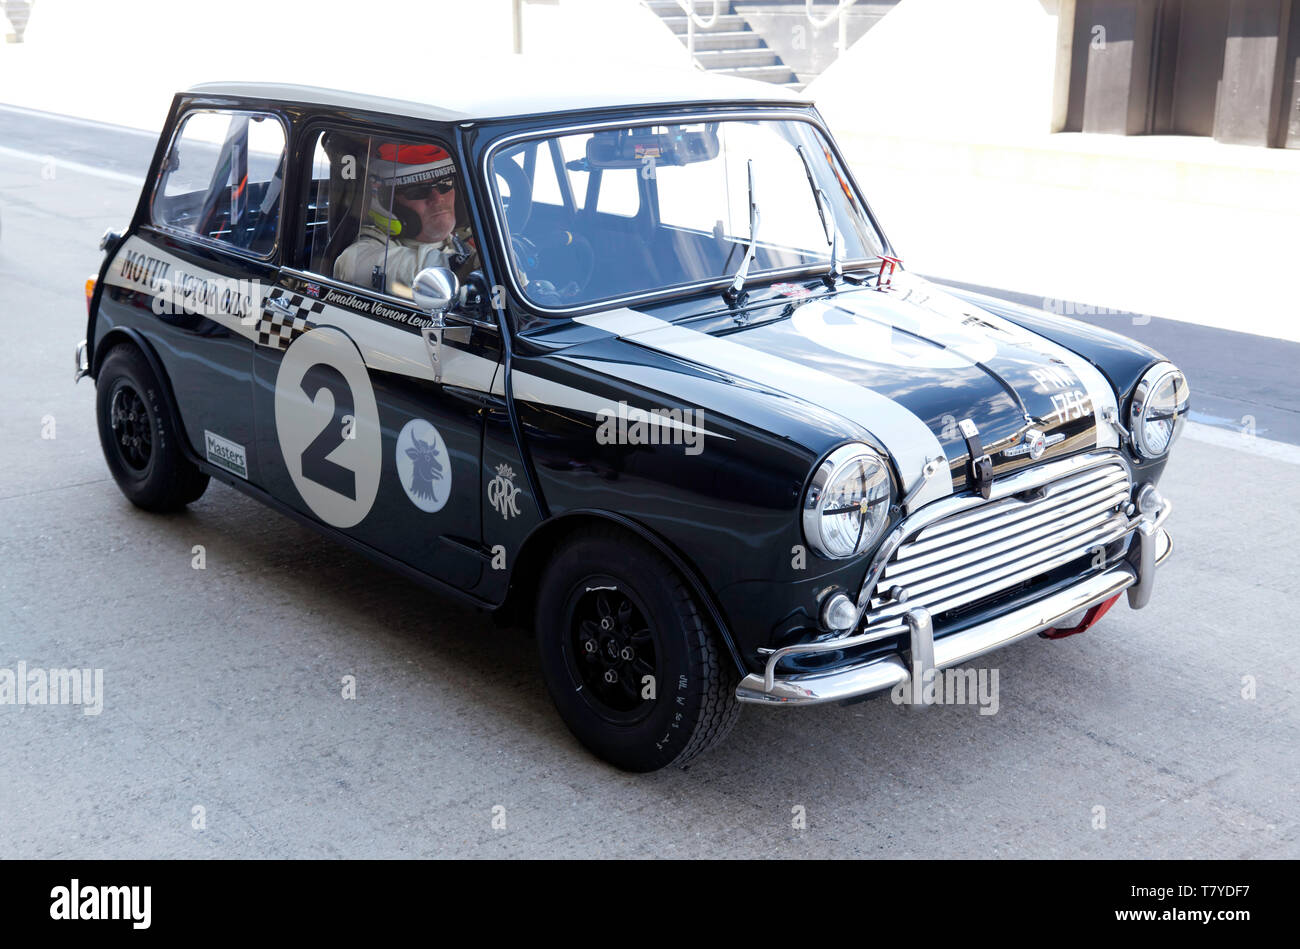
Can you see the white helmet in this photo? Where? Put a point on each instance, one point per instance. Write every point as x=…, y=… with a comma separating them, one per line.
x=394, y=166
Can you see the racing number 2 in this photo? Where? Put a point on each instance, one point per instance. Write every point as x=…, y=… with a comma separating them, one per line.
x=334, y=456
x=316, y=465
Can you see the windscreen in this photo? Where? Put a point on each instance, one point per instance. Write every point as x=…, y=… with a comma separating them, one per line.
x=616, y=212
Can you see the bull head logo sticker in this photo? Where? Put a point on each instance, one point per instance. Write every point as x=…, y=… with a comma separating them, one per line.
x=423, y=465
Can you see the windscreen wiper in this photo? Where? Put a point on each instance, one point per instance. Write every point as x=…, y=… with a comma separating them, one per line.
x=828, y=223
x=734, y=294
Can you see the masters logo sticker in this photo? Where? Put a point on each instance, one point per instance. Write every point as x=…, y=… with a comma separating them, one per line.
x=224, y=453
x=423, y=465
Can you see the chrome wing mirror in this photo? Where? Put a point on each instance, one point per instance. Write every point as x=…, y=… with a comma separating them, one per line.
x=434, y=290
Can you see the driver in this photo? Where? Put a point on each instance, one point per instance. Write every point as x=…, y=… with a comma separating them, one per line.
x=409, y=223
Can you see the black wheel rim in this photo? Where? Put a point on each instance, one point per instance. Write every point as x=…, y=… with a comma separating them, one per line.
x=132, y=428
x=611, y=651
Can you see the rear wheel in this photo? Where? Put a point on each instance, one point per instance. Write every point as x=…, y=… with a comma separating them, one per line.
x=143, y=453
x=627, y=656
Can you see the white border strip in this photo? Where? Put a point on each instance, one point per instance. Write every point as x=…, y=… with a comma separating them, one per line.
x=1240, y=441
x=902, y=433
x=1100, y=393
x=78, y=120
x=61, y=164
x=384, y=346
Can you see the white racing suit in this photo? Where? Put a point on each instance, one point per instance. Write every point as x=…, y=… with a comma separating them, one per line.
x=364, y=262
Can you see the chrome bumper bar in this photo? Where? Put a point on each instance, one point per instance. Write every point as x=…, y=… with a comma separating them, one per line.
x=1153, y=545
x=83, y=365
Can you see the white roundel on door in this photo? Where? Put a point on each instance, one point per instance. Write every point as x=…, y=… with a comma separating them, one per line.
x=328, y=426
x=423, y=465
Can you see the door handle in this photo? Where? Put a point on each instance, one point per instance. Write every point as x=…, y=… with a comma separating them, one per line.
x=282, y=304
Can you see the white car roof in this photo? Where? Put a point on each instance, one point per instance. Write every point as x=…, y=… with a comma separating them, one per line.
x=513, y=86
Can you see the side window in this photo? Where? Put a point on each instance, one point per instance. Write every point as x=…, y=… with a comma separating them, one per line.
x=546, y=187
x=335, y=196
x=223, y=180
x=381, y=210
x=620, y=192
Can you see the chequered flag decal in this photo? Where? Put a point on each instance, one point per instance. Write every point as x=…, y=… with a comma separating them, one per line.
x=280, y=327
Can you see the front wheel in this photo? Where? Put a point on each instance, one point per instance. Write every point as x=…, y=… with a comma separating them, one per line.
x=627, y=656
x=143, y=453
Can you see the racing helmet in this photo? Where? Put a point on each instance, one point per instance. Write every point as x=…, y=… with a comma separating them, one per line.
x=394, y=166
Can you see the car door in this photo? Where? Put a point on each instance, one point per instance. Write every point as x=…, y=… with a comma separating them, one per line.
x=191, y=275
x=361, y=429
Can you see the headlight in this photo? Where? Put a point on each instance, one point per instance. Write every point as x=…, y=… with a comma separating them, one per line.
x=1159, y=410
x=846, y=507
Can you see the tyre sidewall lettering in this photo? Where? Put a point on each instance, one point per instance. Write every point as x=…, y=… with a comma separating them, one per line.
x=676, y=713
x=303, y=416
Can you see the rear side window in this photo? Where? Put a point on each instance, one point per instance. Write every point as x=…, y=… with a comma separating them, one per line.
x=223, y=180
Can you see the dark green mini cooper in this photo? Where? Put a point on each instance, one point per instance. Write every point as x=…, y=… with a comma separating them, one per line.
x=636, y=363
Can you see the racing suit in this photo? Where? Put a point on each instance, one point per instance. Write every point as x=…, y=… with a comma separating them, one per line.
x=364, y=263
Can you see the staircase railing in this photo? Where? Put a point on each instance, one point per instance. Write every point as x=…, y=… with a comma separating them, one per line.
x=840, y=10
x=692, y=20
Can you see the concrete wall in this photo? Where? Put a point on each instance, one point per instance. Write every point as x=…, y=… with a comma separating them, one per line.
x=623, y=31
x=945, y=112
x=1118, y=66
x=1253, y=60
x=122, y=62
x=951, y=69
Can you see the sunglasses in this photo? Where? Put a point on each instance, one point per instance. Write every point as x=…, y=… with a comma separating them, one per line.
x=422, y=192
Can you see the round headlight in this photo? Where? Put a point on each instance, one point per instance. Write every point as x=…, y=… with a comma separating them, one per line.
x=1159, y=410
x=846, y=507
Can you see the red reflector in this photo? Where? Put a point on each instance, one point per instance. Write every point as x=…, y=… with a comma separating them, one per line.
x=1094, y=613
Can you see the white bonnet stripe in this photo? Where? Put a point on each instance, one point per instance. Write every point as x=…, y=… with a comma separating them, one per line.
x=903, y=434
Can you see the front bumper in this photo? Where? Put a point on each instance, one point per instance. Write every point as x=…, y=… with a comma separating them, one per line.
x=1151, y=545
x=83, y=364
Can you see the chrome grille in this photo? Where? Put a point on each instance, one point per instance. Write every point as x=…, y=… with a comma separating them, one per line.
x=992, y=547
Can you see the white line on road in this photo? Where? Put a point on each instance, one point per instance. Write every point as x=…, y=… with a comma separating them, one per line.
x=1242, y=441
x=60, y=163
x=77, y=120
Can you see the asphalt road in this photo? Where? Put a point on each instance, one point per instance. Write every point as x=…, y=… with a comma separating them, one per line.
x=222, y=686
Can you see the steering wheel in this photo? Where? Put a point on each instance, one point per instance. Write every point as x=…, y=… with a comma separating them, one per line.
x=527, y=256
x=519, y=203
x=559, y=267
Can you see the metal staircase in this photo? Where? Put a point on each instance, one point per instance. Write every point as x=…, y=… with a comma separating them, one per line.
x=778, y=41
x=728, y=46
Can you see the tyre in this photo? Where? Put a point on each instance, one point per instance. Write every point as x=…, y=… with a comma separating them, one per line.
x=628, y=658
x=143, y=453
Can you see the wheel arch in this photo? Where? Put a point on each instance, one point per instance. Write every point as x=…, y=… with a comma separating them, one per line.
x=127, y=336
x=531, y=560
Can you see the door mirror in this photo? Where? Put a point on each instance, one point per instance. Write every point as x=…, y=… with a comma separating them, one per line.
x=435, y=289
